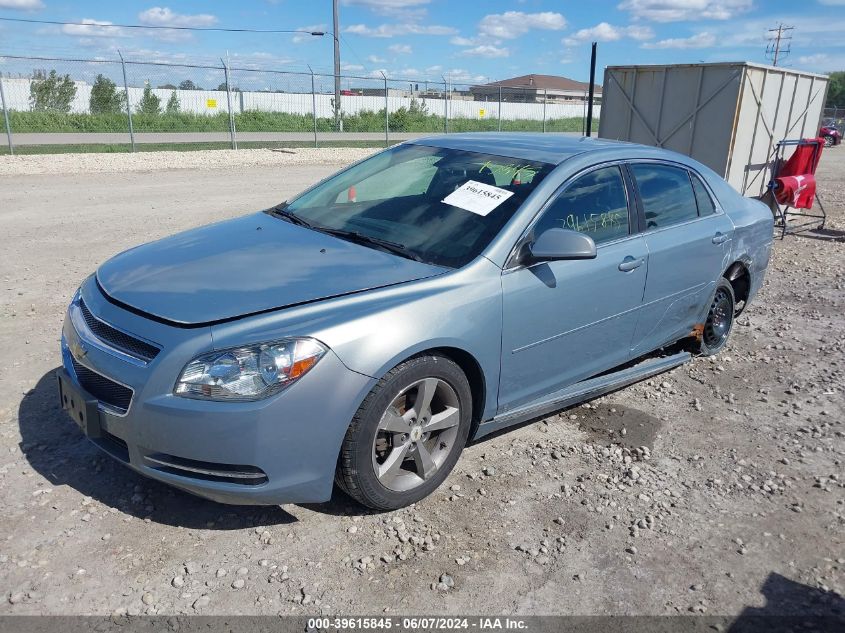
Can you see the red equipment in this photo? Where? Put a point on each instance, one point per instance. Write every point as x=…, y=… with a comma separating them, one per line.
x=794, y=185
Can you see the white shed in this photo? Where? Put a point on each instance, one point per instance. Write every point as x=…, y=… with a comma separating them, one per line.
x=728, y=116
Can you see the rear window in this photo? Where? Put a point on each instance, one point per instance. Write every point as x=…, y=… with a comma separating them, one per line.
x=666, y=194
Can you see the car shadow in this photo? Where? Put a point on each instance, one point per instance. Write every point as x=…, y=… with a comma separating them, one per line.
x=57, y=450
x=792, y=606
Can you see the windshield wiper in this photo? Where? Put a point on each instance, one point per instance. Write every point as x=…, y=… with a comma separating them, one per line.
x=281, y=210
x=355, y=236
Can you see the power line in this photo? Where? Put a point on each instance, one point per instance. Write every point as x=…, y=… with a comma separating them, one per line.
x=169, y=28
x=780, y=44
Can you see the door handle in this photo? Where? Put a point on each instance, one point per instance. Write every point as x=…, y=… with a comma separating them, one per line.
x=629, y=263
x=720, y=238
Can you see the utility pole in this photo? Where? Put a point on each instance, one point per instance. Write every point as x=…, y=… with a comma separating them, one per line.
x=335, y=31
x=779, y=43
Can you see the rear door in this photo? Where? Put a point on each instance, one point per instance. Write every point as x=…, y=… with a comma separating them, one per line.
x=688, y=240
x=567, y=320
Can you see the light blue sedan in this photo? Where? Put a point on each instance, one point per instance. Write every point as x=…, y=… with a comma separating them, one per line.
x=363, y=332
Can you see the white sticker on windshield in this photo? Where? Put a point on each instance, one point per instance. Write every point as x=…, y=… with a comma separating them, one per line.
x=477, y=197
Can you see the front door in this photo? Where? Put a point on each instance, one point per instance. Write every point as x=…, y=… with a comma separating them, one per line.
x=564, y=321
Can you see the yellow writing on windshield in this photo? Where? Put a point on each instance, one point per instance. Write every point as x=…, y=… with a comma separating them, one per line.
x=510, y=171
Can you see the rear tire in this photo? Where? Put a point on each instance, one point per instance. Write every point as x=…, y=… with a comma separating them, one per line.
x=720, y=319
x=407, y=435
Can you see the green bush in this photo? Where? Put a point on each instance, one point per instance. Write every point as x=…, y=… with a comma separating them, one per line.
x=105, y=98
x=150, y=103
x=404, y=120
x=51, y=93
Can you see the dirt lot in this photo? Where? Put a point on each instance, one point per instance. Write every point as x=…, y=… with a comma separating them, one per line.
x=716, y=488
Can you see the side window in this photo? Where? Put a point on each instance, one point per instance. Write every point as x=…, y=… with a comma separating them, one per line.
x=702, y=197
x=666, y=194
x=595, y=204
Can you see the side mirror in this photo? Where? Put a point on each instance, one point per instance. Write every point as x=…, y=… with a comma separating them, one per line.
x=556, y=244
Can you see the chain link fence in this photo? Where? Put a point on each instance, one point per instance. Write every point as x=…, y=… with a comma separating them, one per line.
x=127, y=102
x=836, y=115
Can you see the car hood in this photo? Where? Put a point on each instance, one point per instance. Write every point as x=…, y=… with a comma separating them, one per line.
x=245, y=266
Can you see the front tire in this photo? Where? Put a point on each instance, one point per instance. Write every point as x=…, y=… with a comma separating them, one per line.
x=407, y=434
x=720, y=319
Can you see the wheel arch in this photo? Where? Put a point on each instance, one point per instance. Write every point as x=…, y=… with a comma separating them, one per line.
x=475, y=376
x=467, y=361
x=738, y=275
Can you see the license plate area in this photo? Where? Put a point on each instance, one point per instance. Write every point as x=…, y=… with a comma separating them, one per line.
x=80, y=406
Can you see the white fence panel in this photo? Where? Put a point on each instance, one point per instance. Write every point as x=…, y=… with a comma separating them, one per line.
x=211, y=102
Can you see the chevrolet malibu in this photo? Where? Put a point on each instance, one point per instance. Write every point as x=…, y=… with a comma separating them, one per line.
x=363, y=332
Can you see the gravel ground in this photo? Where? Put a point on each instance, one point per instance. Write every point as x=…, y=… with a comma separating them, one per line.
x=165, y=161
x=716, y=488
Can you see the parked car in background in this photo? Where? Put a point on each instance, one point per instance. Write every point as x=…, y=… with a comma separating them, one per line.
x=830, y=133
x=435, y=292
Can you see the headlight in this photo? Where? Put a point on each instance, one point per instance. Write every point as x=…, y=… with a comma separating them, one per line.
x=249, y=373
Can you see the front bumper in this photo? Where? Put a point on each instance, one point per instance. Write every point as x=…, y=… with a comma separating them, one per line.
x=279, y=450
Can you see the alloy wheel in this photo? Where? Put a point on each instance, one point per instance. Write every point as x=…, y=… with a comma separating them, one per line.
x=416, y=434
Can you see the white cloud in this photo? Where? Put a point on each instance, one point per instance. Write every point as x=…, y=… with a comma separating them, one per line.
x=459, y=75
x=351, y=67
x=604, y=32
x=402, y=9
x=639, y=33
x=386, y=4
x=400, y=49
x=821, y=62
x=512, y=24
x=163, y=16
x=700, y=40
x=93, y=28
x=21, y=5
x=681, y=10
x=464, y=41
x=486, y=50
x=375, y=59
x=393, y=30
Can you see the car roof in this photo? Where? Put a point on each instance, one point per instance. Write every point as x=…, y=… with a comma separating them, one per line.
x=547, y=147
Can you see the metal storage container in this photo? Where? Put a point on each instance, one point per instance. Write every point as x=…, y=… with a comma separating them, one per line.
x=728, y=116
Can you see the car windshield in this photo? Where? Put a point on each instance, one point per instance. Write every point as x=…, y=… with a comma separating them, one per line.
x=437, y=205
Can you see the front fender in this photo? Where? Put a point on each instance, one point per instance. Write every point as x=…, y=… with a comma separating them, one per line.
x=374, y=331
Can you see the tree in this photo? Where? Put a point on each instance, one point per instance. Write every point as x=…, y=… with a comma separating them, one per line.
x=172, y=106
x=51, y=92
x=188, y=85
x=836, y=90
x=105, y=98
x=167, y=87
x=150, y=103
x=222, y=87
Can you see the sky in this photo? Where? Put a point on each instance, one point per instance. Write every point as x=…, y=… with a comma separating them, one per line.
x=465, y=40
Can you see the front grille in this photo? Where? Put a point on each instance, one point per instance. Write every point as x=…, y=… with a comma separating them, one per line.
x=103, y=389
x=114, y=337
